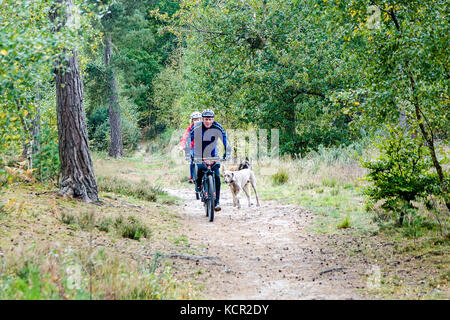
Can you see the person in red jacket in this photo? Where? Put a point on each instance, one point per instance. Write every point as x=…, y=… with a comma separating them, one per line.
x=195, y=117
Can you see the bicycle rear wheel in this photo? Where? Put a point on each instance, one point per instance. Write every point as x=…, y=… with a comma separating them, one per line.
x=211, y=198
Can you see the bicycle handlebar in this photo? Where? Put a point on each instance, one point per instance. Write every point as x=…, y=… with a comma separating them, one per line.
x=201, y=160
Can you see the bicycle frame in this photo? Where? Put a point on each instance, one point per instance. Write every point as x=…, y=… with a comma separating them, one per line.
x=209, y=163
x=207, y=195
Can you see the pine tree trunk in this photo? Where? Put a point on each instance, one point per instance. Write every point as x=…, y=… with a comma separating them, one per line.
x=77, y=173
x=116, y=145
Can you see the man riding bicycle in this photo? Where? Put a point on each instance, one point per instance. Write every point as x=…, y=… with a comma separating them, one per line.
x=205, y=135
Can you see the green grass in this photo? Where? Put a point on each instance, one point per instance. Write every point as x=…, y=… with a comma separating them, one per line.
x=25, y=278
x=129, y=227
x=183, y=240
x=329, y=182
x=330, y=205
x=142, y=190
x=344, y=224
x=27, y=282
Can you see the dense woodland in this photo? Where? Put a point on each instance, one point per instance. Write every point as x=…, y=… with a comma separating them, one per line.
x=78, y=76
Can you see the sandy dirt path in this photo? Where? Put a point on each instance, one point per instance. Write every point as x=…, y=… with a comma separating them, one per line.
x=266, y=252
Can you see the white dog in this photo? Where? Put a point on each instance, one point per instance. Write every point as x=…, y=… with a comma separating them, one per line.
x=238, y=181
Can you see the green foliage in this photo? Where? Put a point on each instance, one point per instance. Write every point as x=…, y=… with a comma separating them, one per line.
x=130, y=133
x=140, y=53
x=400, y=64
x=98, y=128
x=401, y=174
x=46, y=160
x=397, y=52
x=268, y=64
x=25, y=57
x=30, y=48
x=280, y=178
x=168, y=88
x=28, y=285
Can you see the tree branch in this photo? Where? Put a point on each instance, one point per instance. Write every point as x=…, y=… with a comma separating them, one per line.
x=298, y=92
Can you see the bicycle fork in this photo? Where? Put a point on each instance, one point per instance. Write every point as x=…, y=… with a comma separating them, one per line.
x=207, y=192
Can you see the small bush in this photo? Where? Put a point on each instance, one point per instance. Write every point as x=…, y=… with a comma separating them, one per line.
x=131, y=228
x=105, y=224
x=280, y=178
x=68, y=218
x=100, y=138
x=400, y=175
x=344, y=224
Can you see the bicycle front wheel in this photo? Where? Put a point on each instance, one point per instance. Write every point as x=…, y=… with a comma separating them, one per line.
x=211, y=198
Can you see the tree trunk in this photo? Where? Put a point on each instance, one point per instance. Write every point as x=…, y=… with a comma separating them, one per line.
x=116, y=145
x=77, y=174
x=36, y=123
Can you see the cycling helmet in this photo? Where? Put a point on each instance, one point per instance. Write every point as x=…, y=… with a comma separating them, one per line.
x=208, y=113
x=196, y=115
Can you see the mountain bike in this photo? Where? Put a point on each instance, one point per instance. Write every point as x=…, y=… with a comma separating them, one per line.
x=207, y=190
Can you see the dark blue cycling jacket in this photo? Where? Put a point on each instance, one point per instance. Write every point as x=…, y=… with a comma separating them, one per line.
x=208, y=138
